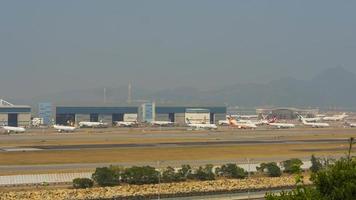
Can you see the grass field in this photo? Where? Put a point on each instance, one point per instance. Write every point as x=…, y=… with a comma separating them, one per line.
x=170, y=154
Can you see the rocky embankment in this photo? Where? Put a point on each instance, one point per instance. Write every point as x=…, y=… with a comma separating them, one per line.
x=151, y=191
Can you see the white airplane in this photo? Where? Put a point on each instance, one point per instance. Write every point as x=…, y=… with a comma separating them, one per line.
x=352, y=125
x=61, y=128
x=242, y=125
x=161, y=123
x=125, y=124
x=336, y=117
x=223, y=122
x=12, y=129
x=280, y=125
x=247, y=116
x=314, y=119
x=93, y=124
x=201, y=126
x=314, y=125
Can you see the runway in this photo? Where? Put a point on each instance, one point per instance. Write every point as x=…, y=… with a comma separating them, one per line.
x=174, y=144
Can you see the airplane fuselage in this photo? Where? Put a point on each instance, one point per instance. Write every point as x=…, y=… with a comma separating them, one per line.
x=12, y=129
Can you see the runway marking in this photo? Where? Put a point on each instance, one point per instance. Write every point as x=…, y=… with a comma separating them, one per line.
x=14, y=149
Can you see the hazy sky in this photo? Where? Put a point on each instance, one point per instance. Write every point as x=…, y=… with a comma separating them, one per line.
x=63, y=45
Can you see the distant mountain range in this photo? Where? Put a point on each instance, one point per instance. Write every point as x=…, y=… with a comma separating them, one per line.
x=335, y=87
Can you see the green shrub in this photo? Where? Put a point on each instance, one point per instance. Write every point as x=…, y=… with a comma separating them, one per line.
x=337, y=182
x=81, y=183
x=169, y=175
x=292, y=166
x=140, y=175
x=185, y=173
x=205, y=173
x=104, y=177
x=271, y=169
x=316, y=164
x=231, y=171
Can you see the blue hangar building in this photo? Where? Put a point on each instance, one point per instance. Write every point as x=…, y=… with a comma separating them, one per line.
x=14, y=115
x=69, y=115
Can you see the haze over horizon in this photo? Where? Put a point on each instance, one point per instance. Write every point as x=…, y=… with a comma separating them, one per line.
x=55, y=46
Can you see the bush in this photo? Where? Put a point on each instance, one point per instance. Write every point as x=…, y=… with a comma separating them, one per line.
x=337, y=182
x=316, y=164
x=140, y=175
x=169, y=175
x=271, y=169
x=81, y=183
x=104, y=177
x=205, y=173
x=292, y=166
x=231, y=171
x=185, y=173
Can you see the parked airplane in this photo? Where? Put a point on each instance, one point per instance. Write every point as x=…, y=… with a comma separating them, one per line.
x=162, y=123
x=223, y=122
x=93, y=124
x=352, y=125
x=12, y=129
x=247, y=116
x=61, y=128
x=314, y=119
x=336, y=117
x=313, y=124
x=273, y=122
x=242, y=125
x=125, y=124
x=200, y=126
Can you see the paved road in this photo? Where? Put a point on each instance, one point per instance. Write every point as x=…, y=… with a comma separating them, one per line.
x=233, y=196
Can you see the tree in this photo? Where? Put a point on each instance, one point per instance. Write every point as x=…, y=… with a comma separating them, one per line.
x=104, y=177
x=316, y=164
x=140, y=175
x=270, y=168
x=81, y=183
x=231, y=171
x=169, y=175
x=185, y=173
x=292, y=166
x=205, y=173
x=335, y=182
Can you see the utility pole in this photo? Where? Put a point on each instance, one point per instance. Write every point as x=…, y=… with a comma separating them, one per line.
x=159, y=180
x=350, y=149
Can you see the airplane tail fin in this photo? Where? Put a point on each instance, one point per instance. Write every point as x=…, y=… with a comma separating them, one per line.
x=273, y=120
x=231, y=120
x=187, y=121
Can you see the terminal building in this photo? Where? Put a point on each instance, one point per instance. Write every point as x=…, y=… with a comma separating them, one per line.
x=287, y=113
x=147, y=112
x=14, y=115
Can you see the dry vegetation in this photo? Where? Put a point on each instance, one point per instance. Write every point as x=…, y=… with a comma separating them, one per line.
x=150, y=191
x=168, y=153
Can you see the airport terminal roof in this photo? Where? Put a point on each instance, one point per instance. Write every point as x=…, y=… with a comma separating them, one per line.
x=131, y=109
x=7, y=107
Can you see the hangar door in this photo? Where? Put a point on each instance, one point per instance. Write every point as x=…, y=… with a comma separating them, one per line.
x=117, y=117
x=12, y=120
x=94, y=117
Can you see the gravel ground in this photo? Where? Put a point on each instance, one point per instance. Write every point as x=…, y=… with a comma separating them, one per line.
x=151, y=191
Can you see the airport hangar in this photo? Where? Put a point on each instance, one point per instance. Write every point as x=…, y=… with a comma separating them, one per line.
x=14, y=115
x=70, y=115
x=287, y=113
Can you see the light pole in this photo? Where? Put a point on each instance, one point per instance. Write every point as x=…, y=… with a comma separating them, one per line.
x=248, y=177
x=159, y=180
